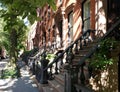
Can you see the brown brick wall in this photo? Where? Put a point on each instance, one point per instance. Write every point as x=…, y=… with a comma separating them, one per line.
x=50, y=19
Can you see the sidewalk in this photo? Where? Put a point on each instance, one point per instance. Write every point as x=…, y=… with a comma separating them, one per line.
x=22, y=84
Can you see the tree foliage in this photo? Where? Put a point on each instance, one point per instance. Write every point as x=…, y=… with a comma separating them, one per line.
x=24, y=8
x=14, y=12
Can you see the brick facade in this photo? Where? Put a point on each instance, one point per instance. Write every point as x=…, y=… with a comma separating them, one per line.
x=66, y=24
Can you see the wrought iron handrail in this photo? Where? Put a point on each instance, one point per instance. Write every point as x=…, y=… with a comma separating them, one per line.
x=58, y=57
x=39, y=53
x=81, y=61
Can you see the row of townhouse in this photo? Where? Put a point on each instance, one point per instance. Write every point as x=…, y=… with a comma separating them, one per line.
x=61, y=27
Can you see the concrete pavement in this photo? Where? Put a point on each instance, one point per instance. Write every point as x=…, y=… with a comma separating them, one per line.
x=22, y=84
x=3, y=63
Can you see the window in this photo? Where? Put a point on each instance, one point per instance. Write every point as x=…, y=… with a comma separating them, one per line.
x=70, y=26
x=86, y=15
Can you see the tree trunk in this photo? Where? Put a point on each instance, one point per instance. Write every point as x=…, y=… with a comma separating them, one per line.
x=13, y=49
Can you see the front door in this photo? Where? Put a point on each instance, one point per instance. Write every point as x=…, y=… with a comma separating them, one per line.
x=113, y=12
x=60, y=25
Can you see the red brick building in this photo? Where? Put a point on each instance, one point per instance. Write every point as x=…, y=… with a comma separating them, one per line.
x=71, y=18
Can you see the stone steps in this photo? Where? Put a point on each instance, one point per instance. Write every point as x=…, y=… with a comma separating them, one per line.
x=57, y=84
x=60, y=78
x=48, y=89
x=82, y=88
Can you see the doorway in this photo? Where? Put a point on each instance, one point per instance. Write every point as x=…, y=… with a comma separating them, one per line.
x=70, y=27
x=60, y=29
x=113, y=12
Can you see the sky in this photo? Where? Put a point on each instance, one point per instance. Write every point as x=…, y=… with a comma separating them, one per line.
x=26, y=21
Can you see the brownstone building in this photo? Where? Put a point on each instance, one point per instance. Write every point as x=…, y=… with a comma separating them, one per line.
x=71, y=18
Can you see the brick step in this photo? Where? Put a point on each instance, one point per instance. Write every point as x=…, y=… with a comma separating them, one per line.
x=83, y=52
x=93, y=41
x=90, y=45
x=48, y=89
x=60, y=78
x=62, y=70
x=78, y=56
x=56, y=85
x=82, y=88
x=77, y=59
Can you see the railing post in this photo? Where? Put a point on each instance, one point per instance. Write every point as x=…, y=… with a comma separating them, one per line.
x=82, y=76
x=44, y=73
x=67, y=79
x=33, y=63
x=37, y=71
x=70, y=79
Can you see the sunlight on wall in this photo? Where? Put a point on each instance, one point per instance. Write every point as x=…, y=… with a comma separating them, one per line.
x=31, y=35
x=106, y=80
x=100, y=18
x=77, y=25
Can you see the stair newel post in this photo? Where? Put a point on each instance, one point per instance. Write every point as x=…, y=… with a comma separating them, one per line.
x=81, y=43
x=76, y=48
x=82, y=76
x=67, y=79
x=71, y=76
x=36, y=70
x=44, y=73
x=33, y=64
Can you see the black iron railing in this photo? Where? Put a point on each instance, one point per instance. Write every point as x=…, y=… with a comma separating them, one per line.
x=68, y=54
x=113, y=31
x=83, y=37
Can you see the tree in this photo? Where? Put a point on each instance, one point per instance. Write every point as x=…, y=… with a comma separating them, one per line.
x=14, y=12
